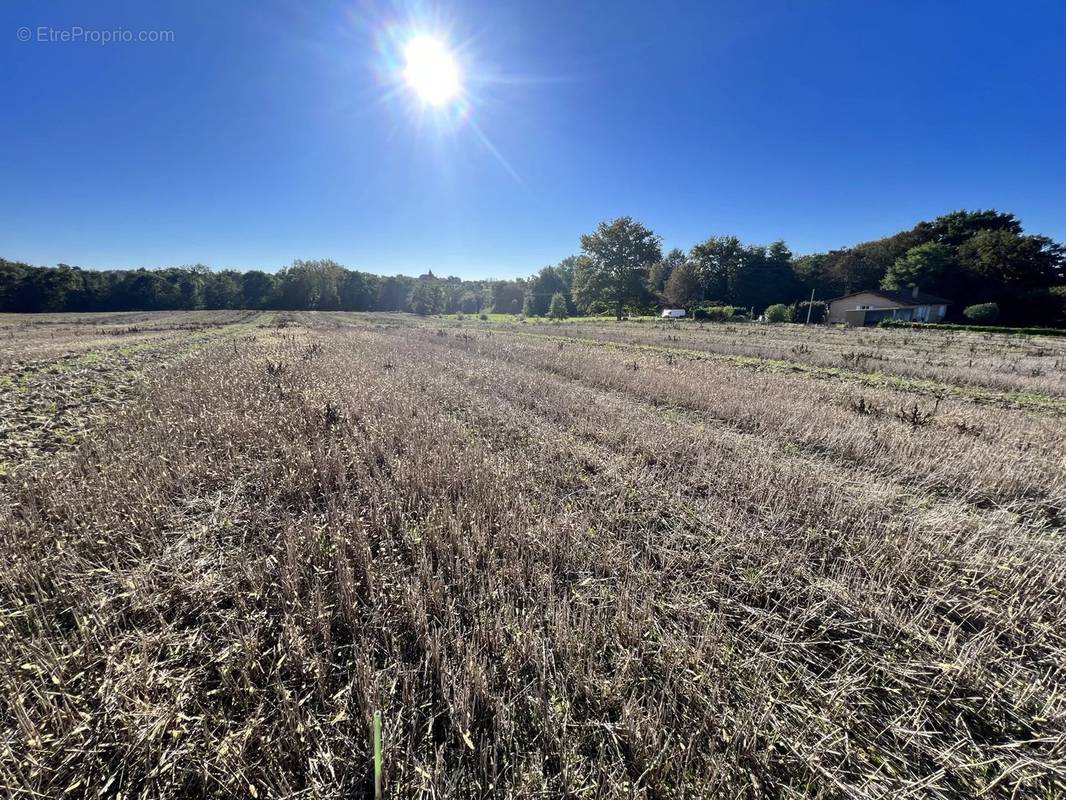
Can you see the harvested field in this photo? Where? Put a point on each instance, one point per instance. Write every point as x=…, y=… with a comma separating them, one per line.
x=589, y=560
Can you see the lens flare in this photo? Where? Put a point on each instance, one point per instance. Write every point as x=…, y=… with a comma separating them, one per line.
x=431, y=71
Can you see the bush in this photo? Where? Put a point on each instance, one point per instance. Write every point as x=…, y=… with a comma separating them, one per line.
x=778, y=312
x=714, y=313
x=818, y=311
x=982, y=313
x=483, y=317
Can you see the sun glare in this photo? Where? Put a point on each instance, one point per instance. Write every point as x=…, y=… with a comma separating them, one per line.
x=430, y=70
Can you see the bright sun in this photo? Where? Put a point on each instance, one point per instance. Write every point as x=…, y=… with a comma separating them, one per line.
x=431, y=71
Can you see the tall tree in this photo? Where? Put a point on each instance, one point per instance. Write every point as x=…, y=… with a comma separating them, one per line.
x=426, y=298
x=358, y=291
x=614, y=272
x=660, y=272
x=311, y=284
x=222, y=290
x=541, y=288
x=1012, y=260
x=507, y=297
x=392, y=293
x=718, y=262
x=190, y=285
x=764, y=277
x=257, y=289
x=12, y=276
x=557, y=308
x=470, y=303
x=958, y=227
x=922, y=267
x=683, y=288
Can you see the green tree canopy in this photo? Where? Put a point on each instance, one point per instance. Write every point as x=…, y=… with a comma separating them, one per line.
x=718, y=262
x=426, y=298
x=508, y=297
x=311, y=284
x=660, y=273
x=557, y=309
x=1009, y=259
x=614, y=271
x=683, y=289
x=257, y=289
x=921, y=266
x=541, y=289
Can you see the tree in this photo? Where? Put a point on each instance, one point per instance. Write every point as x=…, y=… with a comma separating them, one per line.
x=718, y=261
x=764, y=276
x=147, y=290
x=257, y=289
x=392, y=294
x=683, y=288
x=452, y=289
x=660, y=273
x=617, y=260
x=1011, y=260
x=357, y=291
x=955, y=229
x=222, y=290
x=810, y=273
x=60, y=287
x=426, y=298
x=311, y=285
x=541, y=288
x=12, y=276
x=921, y=266
x=557, y=309
x=566, y=270
x=470, y=303
x=855, y=268
x=507, y=297
x=816, y=311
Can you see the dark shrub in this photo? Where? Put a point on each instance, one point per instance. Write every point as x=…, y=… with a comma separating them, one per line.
x=982, y=313
x=818, y=311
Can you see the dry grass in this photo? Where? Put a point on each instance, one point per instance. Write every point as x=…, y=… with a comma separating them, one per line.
x=556, y=568
x=962, y=358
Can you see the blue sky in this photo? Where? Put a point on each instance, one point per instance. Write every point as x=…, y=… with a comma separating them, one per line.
x=270, y=131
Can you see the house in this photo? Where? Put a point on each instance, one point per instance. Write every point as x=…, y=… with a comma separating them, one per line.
x=673, y=313
x=870, y=307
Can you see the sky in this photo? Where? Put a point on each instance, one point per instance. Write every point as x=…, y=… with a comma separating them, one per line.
x=261, y=132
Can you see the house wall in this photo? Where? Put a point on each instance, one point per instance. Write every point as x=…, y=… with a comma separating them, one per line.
x=837, y=308
x=858, y=317
x=930, y=313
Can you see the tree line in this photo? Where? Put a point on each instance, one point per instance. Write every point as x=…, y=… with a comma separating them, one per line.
x=306, y=285
x=968, y=257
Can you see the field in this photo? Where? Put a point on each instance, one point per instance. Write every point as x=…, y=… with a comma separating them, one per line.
x=593, y=559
